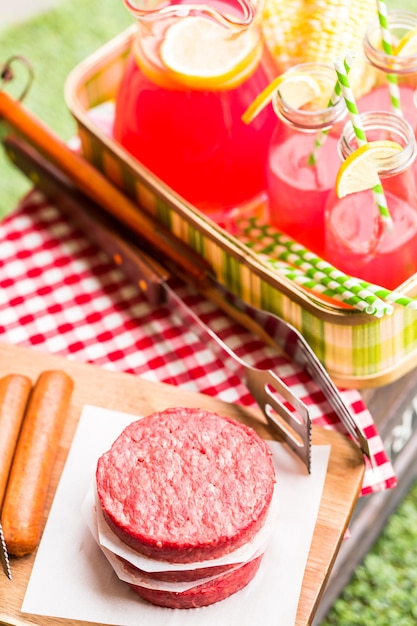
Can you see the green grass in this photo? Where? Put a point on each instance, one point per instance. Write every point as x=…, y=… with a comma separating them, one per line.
x=55, y=42
x=383, y=589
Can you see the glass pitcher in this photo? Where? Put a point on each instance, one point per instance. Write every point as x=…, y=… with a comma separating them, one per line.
x=193, y=69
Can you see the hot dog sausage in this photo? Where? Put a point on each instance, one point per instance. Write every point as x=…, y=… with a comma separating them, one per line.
x=26, y=493
x=14, y=394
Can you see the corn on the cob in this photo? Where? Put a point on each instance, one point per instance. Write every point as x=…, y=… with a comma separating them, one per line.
x=299, y=31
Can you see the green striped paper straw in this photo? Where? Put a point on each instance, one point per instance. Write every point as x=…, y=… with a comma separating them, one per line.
x=394, y=90
x=360, y=135
x=394, y=297
x=321, y=136
x=340, y=283
x=328, y=287
x=353, y=293
x=257, y=233
x=287, y=250
x=300, y=253
x=358, y=288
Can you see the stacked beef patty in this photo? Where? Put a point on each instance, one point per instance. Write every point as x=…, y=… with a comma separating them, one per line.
x=187, y=486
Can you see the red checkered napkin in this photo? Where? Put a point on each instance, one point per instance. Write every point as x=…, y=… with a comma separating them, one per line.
x=62, y=295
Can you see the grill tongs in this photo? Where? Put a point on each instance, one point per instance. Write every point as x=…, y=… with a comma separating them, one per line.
x=284, y=411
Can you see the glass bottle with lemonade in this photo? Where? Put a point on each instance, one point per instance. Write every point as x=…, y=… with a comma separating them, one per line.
x=399, y=67
x=302, y=160
x=357, y=240
x=192, y=71
x=400, y=62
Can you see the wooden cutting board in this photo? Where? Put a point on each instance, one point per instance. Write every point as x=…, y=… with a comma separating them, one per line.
x=128, y=393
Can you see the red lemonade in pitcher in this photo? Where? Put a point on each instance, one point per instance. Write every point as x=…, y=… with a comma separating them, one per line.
x=188, y=80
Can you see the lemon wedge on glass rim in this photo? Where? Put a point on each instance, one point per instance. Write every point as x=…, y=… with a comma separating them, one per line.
x=296, y=90
x=359, y=171
x=407, y=46
x=201, y=54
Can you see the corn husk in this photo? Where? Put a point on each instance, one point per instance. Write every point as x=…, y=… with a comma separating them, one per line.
x=300, y=31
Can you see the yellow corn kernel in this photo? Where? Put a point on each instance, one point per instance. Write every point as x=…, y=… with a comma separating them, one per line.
x=299, y=31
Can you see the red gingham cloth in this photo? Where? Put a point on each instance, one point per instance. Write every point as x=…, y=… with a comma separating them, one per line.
x=60, y=294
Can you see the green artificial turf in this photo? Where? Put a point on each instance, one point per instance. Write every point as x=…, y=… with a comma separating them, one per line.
x=383, y=591
x=54, y=42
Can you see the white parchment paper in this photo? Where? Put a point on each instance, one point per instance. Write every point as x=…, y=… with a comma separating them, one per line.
x=72, y=579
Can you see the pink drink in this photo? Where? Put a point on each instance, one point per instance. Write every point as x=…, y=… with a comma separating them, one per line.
x=352, y=233
x=356, y=240
x=379, y=100
x=300, y=174
x=402, y=64
x=191, y=136
x=298, y=191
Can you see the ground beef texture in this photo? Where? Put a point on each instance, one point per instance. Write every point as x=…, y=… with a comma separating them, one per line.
x=186, y=485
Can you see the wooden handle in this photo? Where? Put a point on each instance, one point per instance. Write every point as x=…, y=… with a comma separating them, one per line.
x=101, y=229
x=100, y=190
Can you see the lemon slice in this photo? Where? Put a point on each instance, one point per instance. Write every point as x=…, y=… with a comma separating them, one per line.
x=149, y=62
x=202, y=54
x=407, y=46
x=359, y=171
x=296, y=90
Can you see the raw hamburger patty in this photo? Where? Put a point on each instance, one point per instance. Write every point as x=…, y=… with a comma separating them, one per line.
x=204, y=594
x=178, y=576
x=186, y=485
